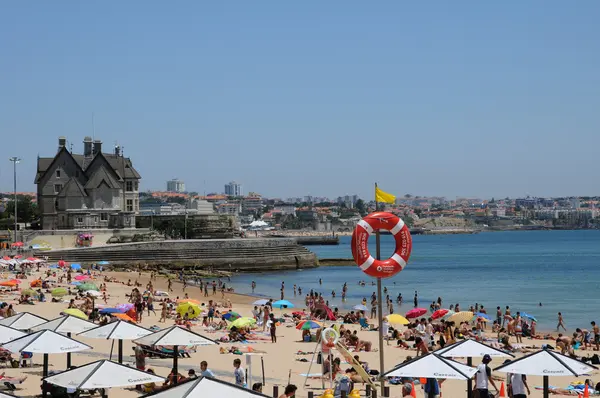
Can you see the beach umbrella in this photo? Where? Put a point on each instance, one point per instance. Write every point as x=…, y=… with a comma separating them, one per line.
x=192, y=310
x=458, y=317
x=45, y=342
x=306, y=325
x=23, y=321
x=8, y=283
x=62, y=263
x=87, y=286
x=59, y=292
x=482, y=315
x=432, y=366
x=206, y=387
x=53, y=266
x=111, y=311
x=188, y=300
x=76, y=313
x=283, y=304
x=440, y=313
x=242, y=323
x=231, y=316
x=416, y=312
x=124, y=307
x=260, y=302
x=545, y=363
x=175, y=336
x=75, y=266
x=67, y=325
x=118, y=330
x=93, y=293
x=17, y=281
x=397, y=319
x=33, y=260
x=103, y=262
x=76, y=283
x=9, y=334
x=124, y=317
x=360, y=307
x=102, y=374
x=28, y=292
x=528, y=316
x=82, y=277
x=471, y=349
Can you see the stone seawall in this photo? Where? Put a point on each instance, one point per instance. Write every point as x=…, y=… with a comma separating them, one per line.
x=219, y=254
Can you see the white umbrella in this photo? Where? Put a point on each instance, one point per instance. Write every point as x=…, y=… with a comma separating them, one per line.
x=434, y=366
x=65, y=324
x=102, y=374
x=8, y=334
x=23, y=321
x=118, y=330
x=3, y=395
x=45, y=342
x=260, y=302
x=206, y=387
x=471, y=349
x=546, y=363
x=175, y=336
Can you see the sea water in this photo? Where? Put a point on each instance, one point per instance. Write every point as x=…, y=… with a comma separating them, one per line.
x=558, y=269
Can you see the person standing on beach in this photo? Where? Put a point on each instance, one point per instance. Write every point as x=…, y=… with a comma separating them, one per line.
x=561, y=323
x=273, y=328
x=238, y=373
x=416, y=299
x=266, y=317
x=214, y=286
x=483, y=377
x=499, y=315
x=373, y=308
x=170, y=285
x=253, y=286
x=596, y=332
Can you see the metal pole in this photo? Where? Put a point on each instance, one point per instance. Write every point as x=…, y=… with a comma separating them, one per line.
x=120, y=351
x=175, y=358
x=546, y=387
x=45, y=374
x=379, y=307
x=68, y=355
x=15, y=160
x=470, y=381
x=185, y=226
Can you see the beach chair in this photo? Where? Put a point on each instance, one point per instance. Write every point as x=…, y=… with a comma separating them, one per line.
x=364, y=324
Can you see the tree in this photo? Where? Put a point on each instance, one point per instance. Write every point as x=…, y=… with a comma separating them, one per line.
x=27, y=211
x=360, y=206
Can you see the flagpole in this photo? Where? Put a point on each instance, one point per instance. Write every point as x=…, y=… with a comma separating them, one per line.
x=379, y=304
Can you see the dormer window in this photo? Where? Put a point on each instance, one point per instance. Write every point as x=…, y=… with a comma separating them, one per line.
x=57, y=173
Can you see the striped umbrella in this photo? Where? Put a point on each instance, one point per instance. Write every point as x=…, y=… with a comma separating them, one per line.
x=463, y=316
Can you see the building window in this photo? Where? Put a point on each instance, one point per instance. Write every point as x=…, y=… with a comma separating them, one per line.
x=79, y=220
x=129, y=186
x=129, y=204
x=103, y=216
x=57, y=188
x=96, y=219
x=136, y=186
x=57, y=173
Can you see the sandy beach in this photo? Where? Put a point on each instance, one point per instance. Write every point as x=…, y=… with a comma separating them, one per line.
x=280, y=359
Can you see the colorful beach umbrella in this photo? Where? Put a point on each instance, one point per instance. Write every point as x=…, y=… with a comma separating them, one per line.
x=87, y=286
x=62, y=263
x=397, y=319
x=192, y=310
x=28, y=292
x=463, y=316
x=103, y=262
x=8, y=283
x=231, y=316
x=124, y=317
x=124, y=307
x=283, y=304
x=82, y=277
x=306, y=325
x=360, y=307
x=416, y=312
x=440, y=313
x=59, y=292
x=17, y=281
x=75, y=266
x=242, y=323
x=76, y=313
x=482, y=315
x=188, y=300
x=528, y=316
x=110, y=311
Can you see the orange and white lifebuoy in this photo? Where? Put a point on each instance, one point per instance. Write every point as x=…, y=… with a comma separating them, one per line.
x=360, y=244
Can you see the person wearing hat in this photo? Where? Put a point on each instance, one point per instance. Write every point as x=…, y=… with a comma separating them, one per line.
x=483, y=377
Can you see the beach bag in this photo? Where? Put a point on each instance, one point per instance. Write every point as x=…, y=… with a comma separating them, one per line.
x=342, y=385
x=595, y=359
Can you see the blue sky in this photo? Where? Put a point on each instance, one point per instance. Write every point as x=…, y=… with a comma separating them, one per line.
x=473, y=98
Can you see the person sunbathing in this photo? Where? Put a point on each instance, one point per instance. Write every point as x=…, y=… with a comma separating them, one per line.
x=10, y=382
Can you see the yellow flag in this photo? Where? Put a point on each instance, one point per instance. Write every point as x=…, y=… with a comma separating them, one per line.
x=384, y=197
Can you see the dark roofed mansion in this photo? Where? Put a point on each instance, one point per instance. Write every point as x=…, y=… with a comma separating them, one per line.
x=93, y=190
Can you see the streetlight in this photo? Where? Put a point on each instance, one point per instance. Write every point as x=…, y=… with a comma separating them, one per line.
x=185, y=225
x=15, y=160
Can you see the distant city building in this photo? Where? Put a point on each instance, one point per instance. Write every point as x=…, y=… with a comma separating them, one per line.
x=91, y=190
x=252, y=203
x=233, y=189
x=175, y=185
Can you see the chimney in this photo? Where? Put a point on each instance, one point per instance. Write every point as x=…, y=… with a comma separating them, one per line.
x=117, y=150
x=62, y=142
x=97, y=147
x=87, y=147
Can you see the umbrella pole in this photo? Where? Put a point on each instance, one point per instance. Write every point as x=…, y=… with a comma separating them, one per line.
x=111, y=350
x=68, y=354
x=175, y=358
x=45, y=374
x=546, y=387
x=470, y=381
x=120, y=350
